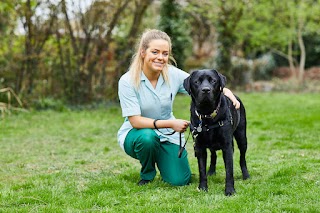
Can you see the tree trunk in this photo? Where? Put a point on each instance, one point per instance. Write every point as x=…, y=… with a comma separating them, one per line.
x=302, y=52
x=28, y=46
x=290, y=59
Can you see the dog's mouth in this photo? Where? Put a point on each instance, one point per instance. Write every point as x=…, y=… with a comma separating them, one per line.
x=205, y=97
x=206, y=102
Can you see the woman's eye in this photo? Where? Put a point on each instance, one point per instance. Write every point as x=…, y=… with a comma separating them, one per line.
x=165, y=54
x=154, y=52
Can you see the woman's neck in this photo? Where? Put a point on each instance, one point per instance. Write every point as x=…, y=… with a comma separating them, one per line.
x=152, y=77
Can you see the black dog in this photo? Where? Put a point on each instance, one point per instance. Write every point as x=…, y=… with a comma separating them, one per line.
x=214, y=122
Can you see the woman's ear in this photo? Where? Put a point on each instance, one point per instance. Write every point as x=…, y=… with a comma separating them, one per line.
x=143, y=53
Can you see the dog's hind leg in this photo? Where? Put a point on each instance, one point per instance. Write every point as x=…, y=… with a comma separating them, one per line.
x=241, y=138
x=213, y=163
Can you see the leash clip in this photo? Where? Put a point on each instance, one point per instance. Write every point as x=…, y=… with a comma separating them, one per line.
x=220, y=123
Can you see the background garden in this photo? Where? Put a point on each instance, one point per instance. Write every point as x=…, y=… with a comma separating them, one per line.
x=60, y=62
x=73, y=52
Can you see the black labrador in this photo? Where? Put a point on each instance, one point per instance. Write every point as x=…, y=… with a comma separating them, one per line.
x=214, y=122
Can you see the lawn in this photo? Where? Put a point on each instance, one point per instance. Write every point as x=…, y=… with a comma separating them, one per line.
x=70, y=161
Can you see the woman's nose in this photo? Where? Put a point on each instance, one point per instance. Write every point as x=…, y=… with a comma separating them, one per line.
x=160, y=56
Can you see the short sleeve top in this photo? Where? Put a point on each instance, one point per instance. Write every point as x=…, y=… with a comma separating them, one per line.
x=150, y=102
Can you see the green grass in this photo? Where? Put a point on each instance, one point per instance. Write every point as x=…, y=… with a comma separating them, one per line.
x=70, y=162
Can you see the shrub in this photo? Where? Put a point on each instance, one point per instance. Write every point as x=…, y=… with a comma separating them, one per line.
x=49, y=104
x=242, y=71
x=263, y=67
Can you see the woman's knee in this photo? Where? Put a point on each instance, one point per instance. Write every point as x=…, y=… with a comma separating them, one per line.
x=148, y=139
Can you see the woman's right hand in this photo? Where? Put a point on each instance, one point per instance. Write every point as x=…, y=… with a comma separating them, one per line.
x=180, y=125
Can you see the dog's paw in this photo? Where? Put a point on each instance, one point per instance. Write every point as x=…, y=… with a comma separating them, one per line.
x=245, y=176
x=230, y=191
x=203, y=188
x=211, y=172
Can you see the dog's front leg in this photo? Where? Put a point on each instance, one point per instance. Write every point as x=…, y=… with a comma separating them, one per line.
x=213, y=162
x=202, y=165
x=228, y=162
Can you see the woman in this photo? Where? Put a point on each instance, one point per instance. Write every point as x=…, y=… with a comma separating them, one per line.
x=146, y=94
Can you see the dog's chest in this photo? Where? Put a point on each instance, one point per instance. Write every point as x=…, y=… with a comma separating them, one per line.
x=210, y=139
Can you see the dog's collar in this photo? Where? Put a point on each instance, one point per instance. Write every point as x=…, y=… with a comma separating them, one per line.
x=213, y=114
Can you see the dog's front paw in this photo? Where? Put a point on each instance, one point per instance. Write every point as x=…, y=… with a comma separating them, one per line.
x=230, y=191
x=203, y=187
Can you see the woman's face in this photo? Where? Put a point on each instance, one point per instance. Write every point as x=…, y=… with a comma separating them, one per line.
x=156, y=56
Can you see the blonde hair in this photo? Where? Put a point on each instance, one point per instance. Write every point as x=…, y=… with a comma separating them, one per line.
x=137, y=60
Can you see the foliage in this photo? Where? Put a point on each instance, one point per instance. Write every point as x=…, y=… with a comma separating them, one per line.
x=280, y=25
x=49, y=104
x=71, y=162
x=67, y=51
x=263, y=67
x=225, y=17
x=242, y=71
x=246, y=71
x=172, y=22
x=269, y=28
x=312, y=42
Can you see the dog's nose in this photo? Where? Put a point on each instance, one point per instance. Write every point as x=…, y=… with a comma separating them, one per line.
x=206, y=89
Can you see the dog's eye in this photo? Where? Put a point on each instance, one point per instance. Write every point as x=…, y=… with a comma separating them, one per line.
x=196, y=82
x=213, y=81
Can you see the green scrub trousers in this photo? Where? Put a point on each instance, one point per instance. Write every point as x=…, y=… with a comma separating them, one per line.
x=145, y=145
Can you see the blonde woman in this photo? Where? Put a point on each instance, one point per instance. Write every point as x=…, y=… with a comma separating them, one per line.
x=150, y=132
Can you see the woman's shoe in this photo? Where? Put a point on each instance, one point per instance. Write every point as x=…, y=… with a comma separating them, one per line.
x=143, y=182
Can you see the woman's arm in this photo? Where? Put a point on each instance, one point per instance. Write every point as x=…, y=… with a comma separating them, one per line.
x=230, y=95
x=140, y=122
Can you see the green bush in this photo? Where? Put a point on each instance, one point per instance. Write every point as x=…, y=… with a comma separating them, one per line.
x=49, y=104
x=241, y=71
x=263, y=68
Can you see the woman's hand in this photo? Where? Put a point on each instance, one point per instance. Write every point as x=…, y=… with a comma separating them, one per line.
x=236, y=103
x=180, y=125
x=139, y=122
x=230, y=95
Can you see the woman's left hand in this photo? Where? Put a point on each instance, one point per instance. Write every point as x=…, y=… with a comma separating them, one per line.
x=236, y=103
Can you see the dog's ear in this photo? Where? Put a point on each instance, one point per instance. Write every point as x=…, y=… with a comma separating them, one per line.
x=222, y=79
x=187, y=83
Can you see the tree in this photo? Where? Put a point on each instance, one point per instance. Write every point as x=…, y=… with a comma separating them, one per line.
x=125, y=43
x=224, y=16
x=37, y=31
x=7, y=50
x=90, y=34
x=278, y=26
x=172, y=22
x=229, y=15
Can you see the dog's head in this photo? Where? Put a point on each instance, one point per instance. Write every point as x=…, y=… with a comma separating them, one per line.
x=205, y=86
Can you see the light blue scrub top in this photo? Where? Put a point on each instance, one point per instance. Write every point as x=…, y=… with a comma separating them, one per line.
x=149, y=102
